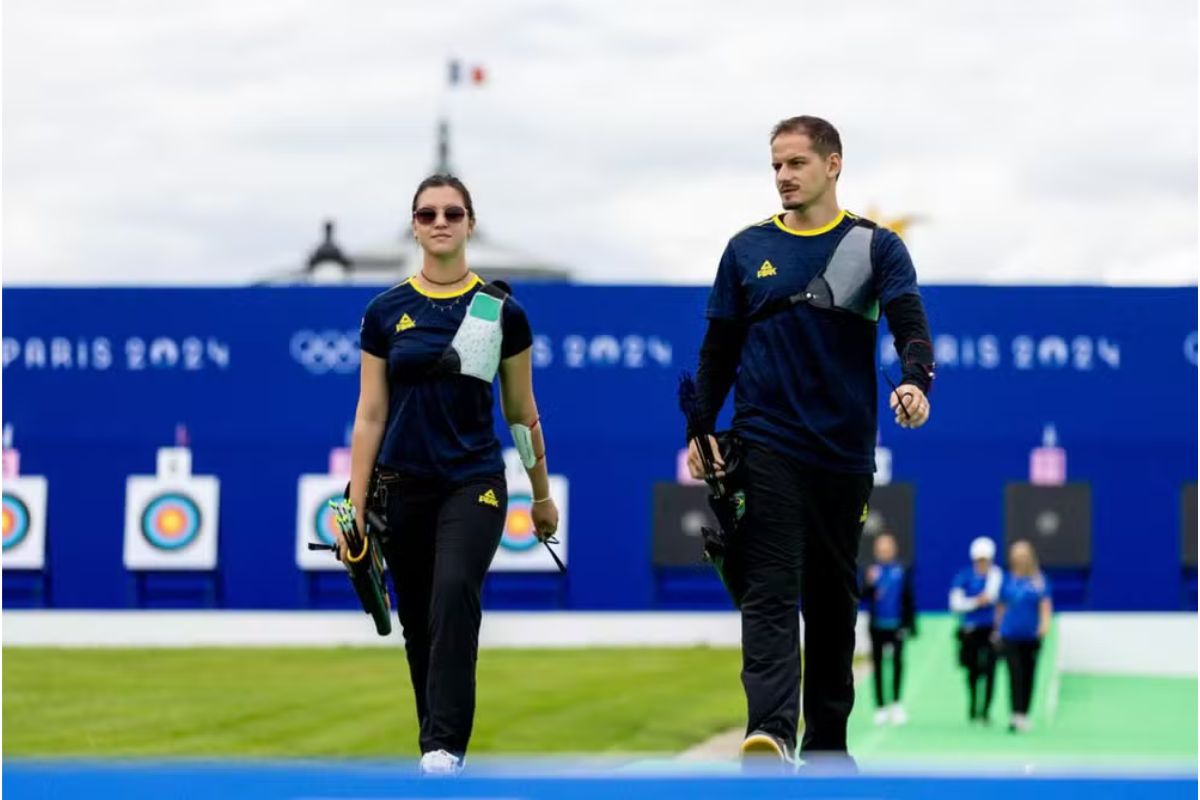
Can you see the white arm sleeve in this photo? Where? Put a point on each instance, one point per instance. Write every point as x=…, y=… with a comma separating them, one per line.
x=523, y=439
x=960, y=603
x=991, y=589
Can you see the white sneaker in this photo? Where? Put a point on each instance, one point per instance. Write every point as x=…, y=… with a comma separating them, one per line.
x=881, y=716
x=439, y=762
x=899, y=716
x=1022, y=723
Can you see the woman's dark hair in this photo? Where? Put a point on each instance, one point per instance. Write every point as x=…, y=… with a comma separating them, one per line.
x=453, y=183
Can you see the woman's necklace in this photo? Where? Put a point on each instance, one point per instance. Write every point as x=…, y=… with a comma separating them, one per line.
x=440, y=303
x=459, y=279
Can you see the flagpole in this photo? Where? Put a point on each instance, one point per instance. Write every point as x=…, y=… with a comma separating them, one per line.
x=453, y=78
x=457, y=73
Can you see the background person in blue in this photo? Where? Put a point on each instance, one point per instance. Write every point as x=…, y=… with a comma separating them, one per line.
x=793, y=320
x=1022, y=620
x=891, y=612
x=973, y=595
x=428, y=430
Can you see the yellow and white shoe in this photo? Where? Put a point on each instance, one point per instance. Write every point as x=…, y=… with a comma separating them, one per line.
x=763, y=748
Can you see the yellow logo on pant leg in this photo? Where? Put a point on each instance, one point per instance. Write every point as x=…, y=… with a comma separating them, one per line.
x=405, y=323
x=767, y=270
x=863, y=518
x=488, y=498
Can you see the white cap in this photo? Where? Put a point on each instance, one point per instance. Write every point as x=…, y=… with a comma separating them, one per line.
x=983, y=547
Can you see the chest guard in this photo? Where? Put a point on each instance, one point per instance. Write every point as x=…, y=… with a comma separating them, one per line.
x=475, y=348
x=845, y=283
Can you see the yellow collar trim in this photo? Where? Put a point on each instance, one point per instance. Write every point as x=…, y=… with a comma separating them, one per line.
x=444, y=295
x=778, y=218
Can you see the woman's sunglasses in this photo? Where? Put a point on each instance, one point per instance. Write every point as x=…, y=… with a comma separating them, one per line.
x=428, y=216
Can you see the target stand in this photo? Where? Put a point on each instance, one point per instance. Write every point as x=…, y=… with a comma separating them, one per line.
x=171, y=535
x=26, y=578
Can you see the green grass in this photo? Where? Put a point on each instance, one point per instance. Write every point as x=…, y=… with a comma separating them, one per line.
x=356, y=703
x=294, y=703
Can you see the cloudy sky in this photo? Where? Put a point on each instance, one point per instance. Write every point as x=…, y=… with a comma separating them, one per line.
x=168, y=142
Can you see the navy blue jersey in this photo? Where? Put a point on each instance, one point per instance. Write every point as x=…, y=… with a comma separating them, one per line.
x=437, y=426
x=806, y=383
x=1022, y=599
x=888, y=595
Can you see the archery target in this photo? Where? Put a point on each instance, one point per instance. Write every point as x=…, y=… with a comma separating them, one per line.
x=315, y=520
x=171, y=523
x=16, y=521
x=520, y=550
x=24, y=522
x=519, y=534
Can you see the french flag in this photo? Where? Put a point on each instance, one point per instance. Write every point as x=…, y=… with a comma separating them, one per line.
x=457, y=73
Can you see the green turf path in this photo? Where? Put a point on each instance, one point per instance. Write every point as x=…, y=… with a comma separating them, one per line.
x=346, y=702
x=1096, y=718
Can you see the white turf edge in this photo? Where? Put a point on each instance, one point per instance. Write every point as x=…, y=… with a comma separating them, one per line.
x=353, y=629
x=1166, y=644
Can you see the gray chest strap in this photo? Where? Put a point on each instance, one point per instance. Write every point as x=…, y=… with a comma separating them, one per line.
x=475, y=349
x=845, y=283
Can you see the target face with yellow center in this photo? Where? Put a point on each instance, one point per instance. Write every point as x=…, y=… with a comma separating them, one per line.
x=16, y=521
x=519, y=534
x=171, y=521
x=520, y=549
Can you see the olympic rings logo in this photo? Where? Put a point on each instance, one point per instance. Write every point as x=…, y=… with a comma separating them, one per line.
x=320, y=352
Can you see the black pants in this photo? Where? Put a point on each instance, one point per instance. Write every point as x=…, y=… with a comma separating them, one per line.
x=978, y=655
x=881, y=638
x=441, y=542
x=799, y=542
x=1022, y=664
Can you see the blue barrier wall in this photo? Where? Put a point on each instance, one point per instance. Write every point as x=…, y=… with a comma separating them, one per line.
x=96, y=379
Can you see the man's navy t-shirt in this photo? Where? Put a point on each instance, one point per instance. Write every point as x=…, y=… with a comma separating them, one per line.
x=437, y=426
x=806, y=384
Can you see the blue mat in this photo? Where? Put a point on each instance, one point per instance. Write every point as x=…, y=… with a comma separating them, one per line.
x=24, y=780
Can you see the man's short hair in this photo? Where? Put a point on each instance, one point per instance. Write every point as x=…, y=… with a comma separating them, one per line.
x=825, y=138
